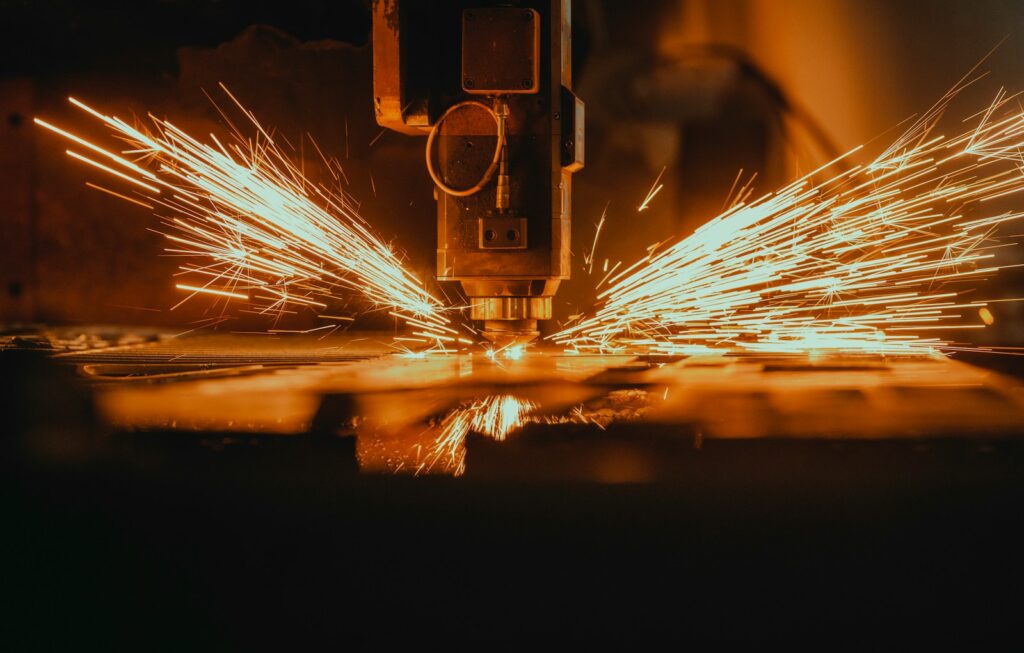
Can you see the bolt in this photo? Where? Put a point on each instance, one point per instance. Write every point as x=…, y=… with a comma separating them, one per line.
x=490, y=235
x=468, y=83
x=527, y=83
x=512, y=234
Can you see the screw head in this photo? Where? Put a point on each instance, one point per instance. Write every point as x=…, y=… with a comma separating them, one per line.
x=468, y=83
x=490, y=235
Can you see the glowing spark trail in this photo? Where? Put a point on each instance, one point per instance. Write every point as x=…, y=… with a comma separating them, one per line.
x=498, y=416
x=255, y=225
x=588, y=259
x=495, y=416
x=655, y=189
x=866, y=260
x=211, y=291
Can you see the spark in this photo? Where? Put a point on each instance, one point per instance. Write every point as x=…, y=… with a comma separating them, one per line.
x=511, y=352
x=248, y=220
x=85, y=159
x=849, y=259
x=588, y=259
x=495, y=416
x=608, y=273
x=498, y=416
x=377, y=137
x=340, y=318
x=119, y=196
x=211, y=291
x=655, y=189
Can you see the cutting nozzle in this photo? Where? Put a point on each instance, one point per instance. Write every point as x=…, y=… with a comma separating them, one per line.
x=511, y=320
x=507, y=333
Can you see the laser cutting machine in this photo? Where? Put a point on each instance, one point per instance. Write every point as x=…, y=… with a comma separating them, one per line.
x=191, y=486
x=490, y=86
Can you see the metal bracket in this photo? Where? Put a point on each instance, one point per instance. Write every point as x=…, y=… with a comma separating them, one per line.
x=500, y=51
x=502, y=233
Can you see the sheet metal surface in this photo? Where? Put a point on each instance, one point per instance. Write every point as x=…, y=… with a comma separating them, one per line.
x=276, y=384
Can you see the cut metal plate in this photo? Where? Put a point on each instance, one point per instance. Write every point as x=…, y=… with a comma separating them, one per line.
x=727, y=396
x=401, y=406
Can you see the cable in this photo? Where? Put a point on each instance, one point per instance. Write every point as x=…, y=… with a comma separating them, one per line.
x=498, y=149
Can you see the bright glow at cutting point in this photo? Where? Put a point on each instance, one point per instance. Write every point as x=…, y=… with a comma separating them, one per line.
x=511, y=352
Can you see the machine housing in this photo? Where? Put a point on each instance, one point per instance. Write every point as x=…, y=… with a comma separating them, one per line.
x=466, y=70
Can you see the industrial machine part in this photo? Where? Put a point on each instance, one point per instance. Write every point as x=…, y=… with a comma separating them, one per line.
x=489, y=83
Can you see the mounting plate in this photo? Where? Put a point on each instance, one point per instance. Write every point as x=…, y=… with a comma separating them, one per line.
x=502, y=233
x=500, y=51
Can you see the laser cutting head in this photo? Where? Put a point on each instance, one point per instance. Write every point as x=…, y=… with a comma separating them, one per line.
x=489, y=84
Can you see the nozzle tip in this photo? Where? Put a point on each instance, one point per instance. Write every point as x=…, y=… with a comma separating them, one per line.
x=506, y=333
